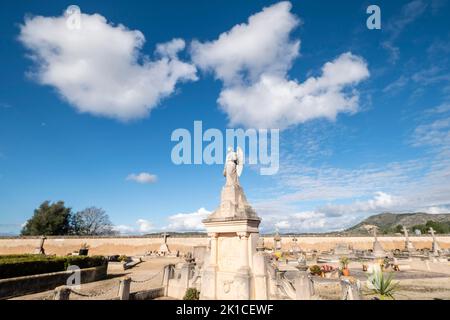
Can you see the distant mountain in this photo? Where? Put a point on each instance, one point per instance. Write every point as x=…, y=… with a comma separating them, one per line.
x=8, y=234
x=389, y=222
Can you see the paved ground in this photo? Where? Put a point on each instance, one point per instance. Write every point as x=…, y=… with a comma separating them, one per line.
x=108, y=288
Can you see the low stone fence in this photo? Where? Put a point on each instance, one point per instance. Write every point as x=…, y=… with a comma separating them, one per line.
x=121, y=290
x=13, y=287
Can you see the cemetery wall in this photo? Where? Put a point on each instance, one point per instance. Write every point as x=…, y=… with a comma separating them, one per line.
x=139, y=245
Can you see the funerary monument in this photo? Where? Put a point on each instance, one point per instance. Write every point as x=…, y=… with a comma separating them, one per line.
x=233, y=269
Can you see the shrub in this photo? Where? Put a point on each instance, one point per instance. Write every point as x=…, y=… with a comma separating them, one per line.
x=23, y=265
x=191, y=294
x=315, y=270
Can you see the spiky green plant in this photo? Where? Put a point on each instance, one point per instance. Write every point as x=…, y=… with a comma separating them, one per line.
x=344, y=261
x=383, y=286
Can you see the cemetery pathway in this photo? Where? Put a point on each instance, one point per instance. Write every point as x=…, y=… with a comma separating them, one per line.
x=109, y=288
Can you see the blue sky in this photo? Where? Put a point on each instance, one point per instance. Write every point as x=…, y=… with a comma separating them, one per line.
x=364, y=114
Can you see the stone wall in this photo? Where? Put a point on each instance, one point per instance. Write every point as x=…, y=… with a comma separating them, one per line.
x=139, y=245
x=98, y=246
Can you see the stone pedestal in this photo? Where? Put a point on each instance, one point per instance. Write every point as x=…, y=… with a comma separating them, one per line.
x=228, y=273
x=409, y=246
x=378, y=250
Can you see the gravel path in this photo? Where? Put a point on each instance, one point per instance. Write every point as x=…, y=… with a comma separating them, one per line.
x=109, y=288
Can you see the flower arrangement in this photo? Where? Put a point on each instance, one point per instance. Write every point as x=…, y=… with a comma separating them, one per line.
x=84, y=246
x=327, y=268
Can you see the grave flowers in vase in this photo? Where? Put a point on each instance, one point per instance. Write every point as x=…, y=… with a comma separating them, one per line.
x=344, y=261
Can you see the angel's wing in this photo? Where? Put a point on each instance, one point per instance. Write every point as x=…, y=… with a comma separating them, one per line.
x=240, y=162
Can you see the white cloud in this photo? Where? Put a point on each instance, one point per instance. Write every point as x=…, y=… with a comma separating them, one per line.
x=188, y=221
x=330, y=217
x=142, y=177
x=437, y=210
x=99, y=68
x=409, y=13
x=398, y=84
x=278, y=102
x=144, y=225
x=381, y=201
x=253, y=60
x=124, y=229
x=141, y=226
x=250, y=50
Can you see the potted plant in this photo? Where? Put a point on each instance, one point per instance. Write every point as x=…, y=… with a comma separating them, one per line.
x=344, y=261
x=84, y=249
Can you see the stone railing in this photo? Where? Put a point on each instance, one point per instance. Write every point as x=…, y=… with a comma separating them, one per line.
x=120, y=290
x=19, y=286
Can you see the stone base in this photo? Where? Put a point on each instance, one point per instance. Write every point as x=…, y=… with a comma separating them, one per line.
x=378, y=250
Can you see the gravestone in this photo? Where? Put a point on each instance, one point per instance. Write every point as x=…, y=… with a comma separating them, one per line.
x=342, y=249
x=277, y=242
x=163, y=248
x=435, y=246
x=378, y=250
x=408, y=244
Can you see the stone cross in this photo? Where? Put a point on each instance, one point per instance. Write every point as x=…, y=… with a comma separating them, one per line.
x=435, y=246
x=408, y=244
x=405, y=231
x=431, y=230
x=165, y=235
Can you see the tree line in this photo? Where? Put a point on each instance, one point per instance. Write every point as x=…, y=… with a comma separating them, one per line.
x=57, y=219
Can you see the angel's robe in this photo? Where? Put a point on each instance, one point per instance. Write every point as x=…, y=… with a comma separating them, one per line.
x=230, y=172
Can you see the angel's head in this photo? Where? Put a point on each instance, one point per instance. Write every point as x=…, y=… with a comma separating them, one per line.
x=230, y=149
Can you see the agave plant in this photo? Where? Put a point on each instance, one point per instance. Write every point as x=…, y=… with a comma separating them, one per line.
x=382, y=285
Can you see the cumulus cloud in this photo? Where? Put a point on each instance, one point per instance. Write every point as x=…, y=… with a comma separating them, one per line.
x=124, y=229
x=99, y=68
x=144, y=225
x=253, y=59
x=142, y=177
x=303, y=221
x=381, y=201
x=437, y=210
x=331, y=217
x=141, y=226
x=188, y=221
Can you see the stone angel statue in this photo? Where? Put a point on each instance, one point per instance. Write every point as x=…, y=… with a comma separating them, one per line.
x=234, y=164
